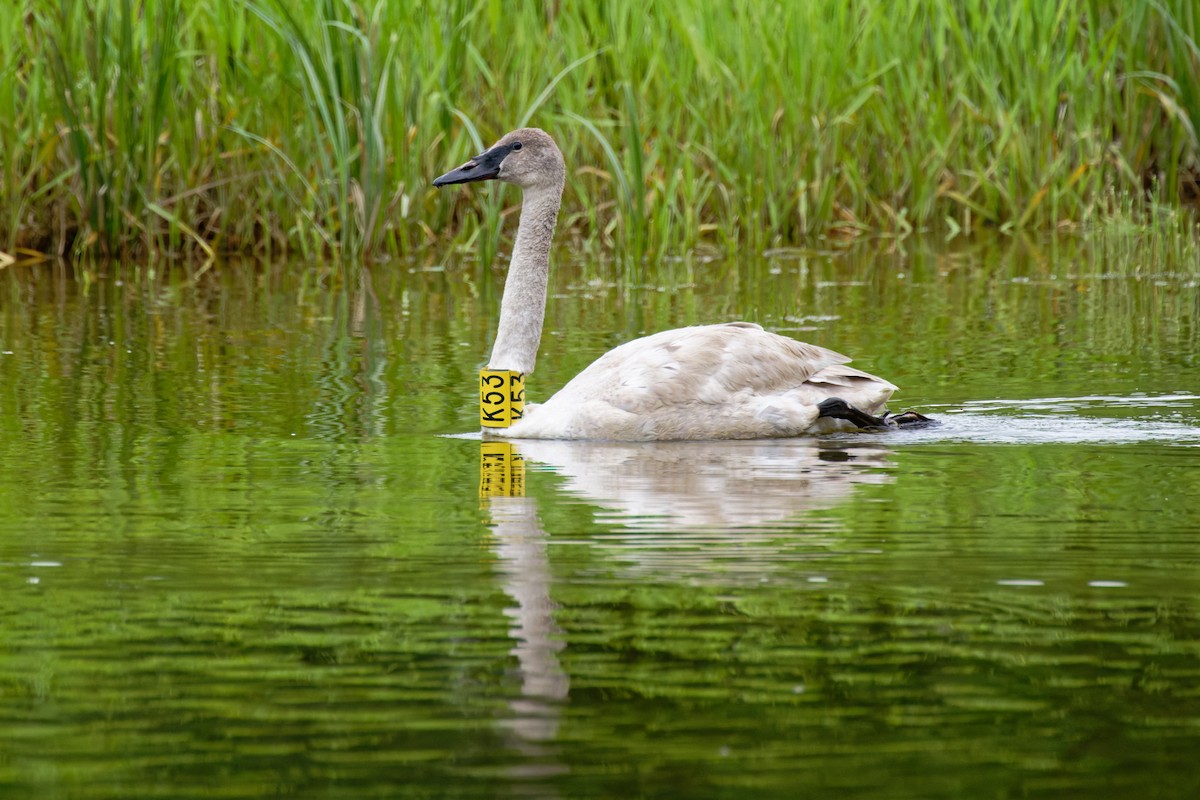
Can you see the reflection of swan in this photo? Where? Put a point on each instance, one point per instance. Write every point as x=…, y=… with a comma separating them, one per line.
x=730, y=381
x=688, y=505
x=525, y=569
x=710, y=486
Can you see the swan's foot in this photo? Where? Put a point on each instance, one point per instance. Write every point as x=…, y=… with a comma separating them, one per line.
x=837, y=408
x=909, y=419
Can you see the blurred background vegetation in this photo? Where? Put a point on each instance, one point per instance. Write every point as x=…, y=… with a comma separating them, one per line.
x=167, y=129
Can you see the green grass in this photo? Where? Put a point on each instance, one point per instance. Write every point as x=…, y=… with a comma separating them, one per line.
x=161, y=128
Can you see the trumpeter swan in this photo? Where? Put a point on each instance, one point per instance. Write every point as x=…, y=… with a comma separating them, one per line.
x=725, y=381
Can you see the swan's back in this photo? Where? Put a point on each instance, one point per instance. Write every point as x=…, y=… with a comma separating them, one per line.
x=730, y=381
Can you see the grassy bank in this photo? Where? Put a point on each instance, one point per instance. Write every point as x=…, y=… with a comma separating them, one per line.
x=163, y=127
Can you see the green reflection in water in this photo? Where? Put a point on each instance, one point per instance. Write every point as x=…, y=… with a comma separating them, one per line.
x=236, y=561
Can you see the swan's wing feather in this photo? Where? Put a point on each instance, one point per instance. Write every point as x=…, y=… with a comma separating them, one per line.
x=705, y=364
x=840, y=375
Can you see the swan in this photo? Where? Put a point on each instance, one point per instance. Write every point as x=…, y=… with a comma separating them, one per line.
x=733, y=380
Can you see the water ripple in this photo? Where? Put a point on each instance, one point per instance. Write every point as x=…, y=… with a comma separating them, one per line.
x=1054, y=420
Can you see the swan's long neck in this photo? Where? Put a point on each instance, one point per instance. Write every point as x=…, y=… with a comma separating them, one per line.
x=523, y=307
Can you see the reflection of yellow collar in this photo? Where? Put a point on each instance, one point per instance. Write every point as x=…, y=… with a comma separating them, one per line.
x=501, y=470
x=501, y=397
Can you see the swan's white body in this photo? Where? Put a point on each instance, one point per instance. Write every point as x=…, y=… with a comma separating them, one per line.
x=733, y=381
x=729, y=381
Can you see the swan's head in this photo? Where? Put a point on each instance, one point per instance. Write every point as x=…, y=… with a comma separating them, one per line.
x=527, y=157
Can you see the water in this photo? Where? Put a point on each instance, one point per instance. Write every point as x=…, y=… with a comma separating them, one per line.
x=240, y=555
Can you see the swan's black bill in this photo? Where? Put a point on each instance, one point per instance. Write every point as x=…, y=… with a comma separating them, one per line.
x=483, y=167
x=837, y=408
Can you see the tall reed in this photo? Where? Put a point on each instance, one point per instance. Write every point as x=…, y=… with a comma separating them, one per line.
x=343, y=60
x=109, y=77
x=265, y=126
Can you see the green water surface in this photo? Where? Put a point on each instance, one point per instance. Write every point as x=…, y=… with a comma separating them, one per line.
x=239, y=557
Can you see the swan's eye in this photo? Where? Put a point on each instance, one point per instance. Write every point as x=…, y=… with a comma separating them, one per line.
x=516, y=146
